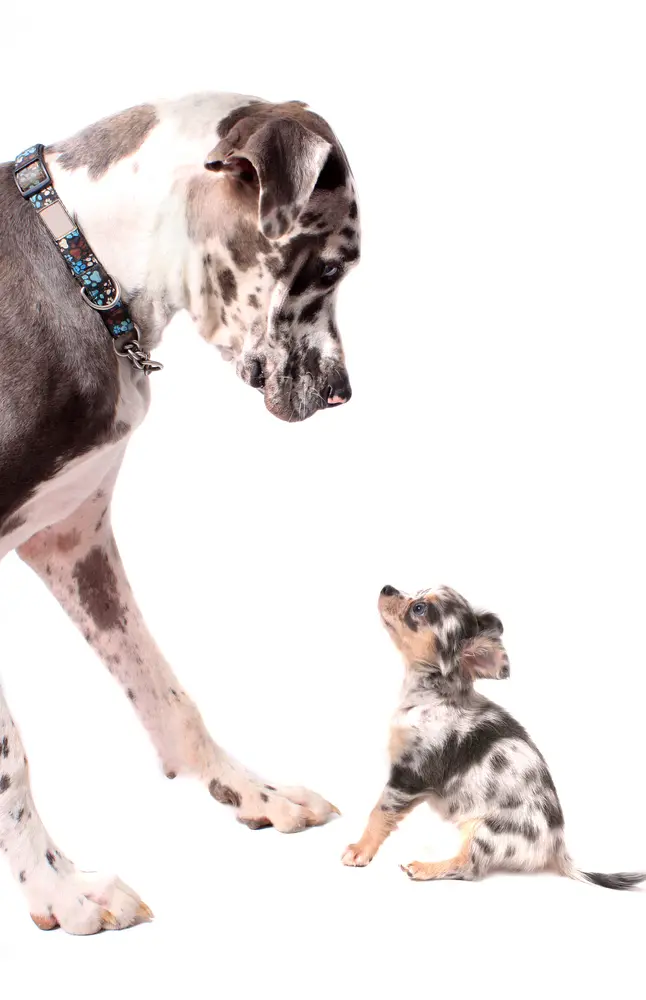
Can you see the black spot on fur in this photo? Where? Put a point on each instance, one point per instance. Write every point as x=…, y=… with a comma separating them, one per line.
x=51, y=860
x=265, y=798
x=222, y=793
x=349, y=254
x=353, y=210
x=483, y=845
x=260, y=823
x=98, y=590
x=5, y=782
x=430, y=768
x=22, y=877
x=312, y=311
x=253, y=302
x=131, y=694
x=498, y=761
x=507, y=824
x=411, y=621
x=228, y=285
x=511, y=801
x=333, y=175
x=551, y=809
x=4, y=747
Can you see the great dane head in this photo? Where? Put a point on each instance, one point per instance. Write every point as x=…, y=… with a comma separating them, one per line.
x=275, y=214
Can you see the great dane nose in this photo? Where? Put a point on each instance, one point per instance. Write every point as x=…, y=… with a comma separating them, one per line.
x=338, y=390
x=256, y=374
x=389, y=591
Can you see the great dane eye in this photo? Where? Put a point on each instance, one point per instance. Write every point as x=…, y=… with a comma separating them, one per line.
x=419, y=608
x=329, y=271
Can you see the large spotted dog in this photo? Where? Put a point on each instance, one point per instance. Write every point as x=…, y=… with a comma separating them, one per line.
x=243, y=213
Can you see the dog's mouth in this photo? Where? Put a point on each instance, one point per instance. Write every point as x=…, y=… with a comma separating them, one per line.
x=292, y=399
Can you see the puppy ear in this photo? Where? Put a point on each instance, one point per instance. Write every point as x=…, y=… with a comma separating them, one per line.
x=281, y=158
x=484, y=655
x=488, y=622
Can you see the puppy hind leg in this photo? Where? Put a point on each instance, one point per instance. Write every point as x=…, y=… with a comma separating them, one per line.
x=471, y=862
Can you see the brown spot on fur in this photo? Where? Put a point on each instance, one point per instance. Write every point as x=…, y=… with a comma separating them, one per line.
x=260, y=823
x=228, y=285
x=246, y=244
x=222, y=793
x=68, y=540
x=99, y=146
x=97, y=589
x=99, y=523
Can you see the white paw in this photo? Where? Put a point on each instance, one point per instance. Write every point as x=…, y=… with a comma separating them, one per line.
x=288, y=810
x=355, y=857
x=82, y=902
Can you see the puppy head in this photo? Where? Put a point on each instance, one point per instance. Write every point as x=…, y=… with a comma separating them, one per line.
x=438, y=631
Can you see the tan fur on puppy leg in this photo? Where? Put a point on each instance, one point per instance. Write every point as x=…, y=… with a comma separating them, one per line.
x=461, y=866
x=381, y=824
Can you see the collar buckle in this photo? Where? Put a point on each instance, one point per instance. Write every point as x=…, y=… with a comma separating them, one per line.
x=30, y=173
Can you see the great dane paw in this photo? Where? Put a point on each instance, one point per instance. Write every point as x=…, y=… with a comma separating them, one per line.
x=287, y=809
x=82, y=902
x=355, y=856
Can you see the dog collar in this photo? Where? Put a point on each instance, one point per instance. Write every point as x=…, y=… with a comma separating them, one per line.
x=98, y=289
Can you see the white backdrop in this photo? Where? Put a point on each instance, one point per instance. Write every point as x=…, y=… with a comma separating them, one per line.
x=494, y=334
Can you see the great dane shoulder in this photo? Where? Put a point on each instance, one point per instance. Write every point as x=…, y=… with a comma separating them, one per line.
x=245, y=214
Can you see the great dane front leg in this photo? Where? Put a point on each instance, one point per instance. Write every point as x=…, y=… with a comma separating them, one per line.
x=57, y=893
x=79, y=561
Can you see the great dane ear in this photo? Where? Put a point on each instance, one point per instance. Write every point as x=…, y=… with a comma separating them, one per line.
x=283, y=159
x=484, y=655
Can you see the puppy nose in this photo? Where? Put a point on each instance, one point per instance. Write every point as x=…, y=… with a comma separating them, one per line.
x=338, y=390
x=389, y=591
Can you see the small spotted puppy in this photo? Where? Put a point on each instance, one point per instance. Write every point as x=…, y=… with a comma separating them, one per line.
x=464, y=755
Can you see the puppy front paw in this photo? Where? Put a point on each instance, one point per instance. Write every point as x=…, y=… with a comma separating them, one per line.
x=356, y=856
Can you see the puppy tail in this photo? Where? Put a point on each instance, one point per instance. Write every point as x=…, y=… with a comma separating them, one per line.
x=616, y=880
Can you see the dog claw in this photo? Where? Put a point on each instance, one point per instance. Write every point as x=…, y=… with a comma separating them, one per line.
x=145, y=913
x=108, y=921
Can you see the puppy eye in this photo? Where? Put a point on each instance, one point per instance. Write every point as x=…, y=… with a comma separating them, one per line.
x=329, y=271
x=419, y=608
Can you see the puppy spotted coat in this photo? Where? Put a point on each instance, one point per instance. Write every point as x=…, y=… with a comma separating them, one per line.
x=464, y=755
